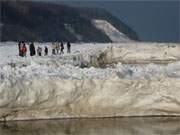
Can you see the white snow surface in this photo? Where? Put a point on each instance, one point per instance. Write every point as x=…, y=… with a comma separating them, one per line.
x=140, y=79
x=63, y=66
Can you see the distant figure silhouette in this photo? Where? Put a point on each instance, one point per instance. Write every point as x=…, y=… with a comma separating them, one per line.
x=39, y=51
x=23, y=49
x=62, y=48
x=53, y=48
x=32, y=49
x=19, y=47
x=46, y=51
x=68, y=47
x=57, y=47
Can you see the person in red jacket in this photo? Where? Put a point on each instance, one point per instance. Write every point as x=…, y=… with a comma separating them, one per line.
x=23, y=50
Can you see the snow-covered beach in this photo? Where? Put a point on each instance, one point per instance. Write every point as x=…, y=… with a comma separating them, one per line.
x=137, y=79
x=145, y=59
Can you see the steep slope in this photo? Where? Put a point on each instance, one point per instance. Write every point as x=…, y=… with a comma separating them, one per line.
x=101, y=14
x=48, y=22
x=114, y=34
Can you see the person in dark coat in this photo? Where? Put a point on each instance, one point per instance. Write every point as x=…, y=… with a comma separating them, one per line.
x=32, y=49
x=53, y=48
x=62, y=48
x=46, y=51
x=19, y=47
x=68, y=47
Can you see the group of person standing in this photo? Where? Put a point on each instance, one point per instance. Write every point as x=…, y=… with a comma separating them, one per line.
x=57, y=48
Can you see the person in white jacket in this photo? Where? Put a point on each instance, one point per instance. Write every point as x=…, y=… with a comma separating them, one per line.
x=57, y=47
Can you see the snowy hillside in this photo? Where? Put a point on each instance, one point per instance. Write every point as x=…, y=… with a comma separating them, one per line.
x=46, y=22
x=114, y=34
x=99, y=80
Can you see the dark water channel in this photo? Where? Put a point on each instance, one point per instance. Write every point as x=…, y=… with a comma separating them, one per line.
x=108, y=126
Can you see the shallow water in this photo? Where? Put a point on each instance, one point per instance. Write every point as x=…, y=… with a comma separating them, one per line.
x=109, y=126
